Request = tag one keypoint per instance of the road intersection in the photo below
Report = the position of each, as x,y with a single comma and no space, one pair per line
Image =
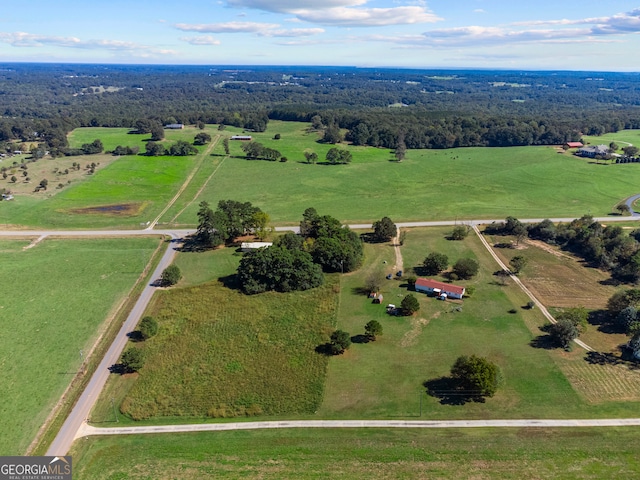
75,426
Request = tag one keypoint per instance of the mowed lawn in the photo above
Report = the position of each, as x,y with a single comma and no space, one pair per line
54,300
384,379
503,453
527,182
130,191
220,353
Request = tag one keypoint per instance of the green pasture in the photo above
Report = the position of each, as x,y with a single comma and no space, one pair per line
481,453
428,185
220,353
55,297
384,379
622,138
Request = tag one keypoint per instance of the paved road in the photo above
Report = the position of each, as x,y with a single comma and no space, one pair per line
80,412
216,427
72,426
180,233
629,203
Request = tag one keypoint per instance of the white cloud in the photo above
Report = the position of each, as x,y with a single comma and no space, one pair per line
228,27
201,40
288,6
479,10
368,17
294,32
23,39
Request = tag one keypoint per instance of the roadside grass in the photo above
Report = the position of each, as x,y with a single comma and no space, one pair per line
363,453
220,353
55,299
429,184
384,379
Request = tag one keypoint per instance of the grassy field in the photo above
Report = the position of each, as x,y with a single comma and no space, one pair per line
55,297
551,271
428,184
126,193
385,379
220,353
584,453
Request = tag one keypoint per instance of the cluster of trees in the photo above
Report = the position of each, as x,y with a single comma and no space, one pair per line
229,221
297,262
178,149
338,156
624,312
278,268
464,268
201,138
569,324
44,102
384,229
86,149
256,150
120,150
340,340
609,248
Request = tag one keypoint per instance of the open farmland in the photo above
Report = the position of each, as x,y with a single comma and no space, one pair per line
527,182
364,453
130,191
55,298
209,356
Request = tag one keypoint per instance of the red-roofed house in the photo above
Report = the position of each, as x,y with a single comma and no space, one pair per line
427,285
574,144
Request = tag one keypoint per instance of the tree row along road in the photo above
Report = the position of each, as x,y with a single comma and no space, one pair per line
518,282
75,424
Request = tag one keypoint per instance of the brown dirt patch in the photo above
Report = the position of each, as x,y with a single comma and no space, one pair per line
417,324
115,210
548,248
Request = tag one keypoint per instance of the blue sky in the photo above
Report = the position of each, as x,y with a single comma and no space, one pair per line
542,34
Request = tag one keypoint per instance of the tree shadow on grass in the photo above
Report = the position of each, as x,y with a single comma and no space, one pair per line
449,391
626,358
192,244
360,291
230,281
135,336
602,320
546,342
118,368
360,339
324,349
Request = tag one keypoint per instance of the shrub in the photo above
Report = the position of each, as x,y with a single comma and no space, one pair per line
148,327
171,275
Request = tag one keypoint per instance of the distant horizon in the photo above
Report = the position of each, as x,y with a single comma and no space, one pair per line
585,35
355,67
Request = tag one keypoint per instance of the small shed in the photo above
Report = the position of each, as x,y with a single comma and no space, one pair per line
378,299
248,246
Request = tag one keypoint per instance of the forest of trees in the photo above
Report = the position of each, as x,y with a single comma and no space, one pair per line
439,109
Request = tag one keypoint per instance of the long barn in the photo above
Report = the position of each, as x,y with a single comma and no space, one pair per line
434,287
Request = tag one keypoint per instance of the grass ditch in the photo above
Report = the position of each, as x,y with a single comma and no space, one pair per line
57,417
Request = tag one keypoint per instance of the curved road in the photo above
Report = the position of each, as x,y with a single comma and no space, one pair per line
629,201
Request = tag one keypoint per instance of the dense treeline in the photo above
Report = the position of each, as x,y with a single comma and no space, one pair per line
607,247
434,109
